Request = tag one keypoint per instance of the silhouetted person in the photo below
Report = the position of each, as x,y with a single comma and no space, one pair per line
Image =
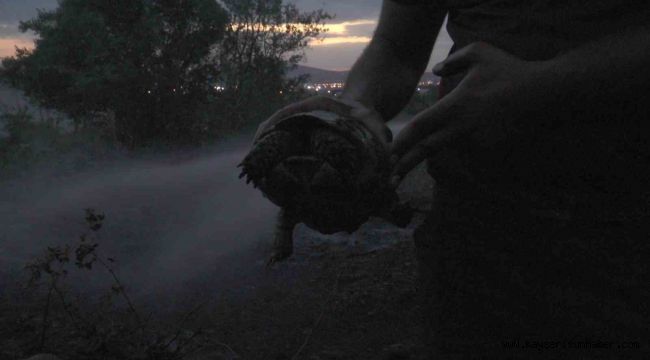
538,243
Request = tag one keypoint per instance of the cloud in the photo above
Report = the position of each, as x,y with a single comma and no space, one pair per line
344,28
343,9
12,11
347,32
341,40
340,51
9,30
345,41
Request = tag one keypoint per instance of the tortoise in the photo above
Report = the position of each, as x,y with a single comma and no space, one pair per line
325,170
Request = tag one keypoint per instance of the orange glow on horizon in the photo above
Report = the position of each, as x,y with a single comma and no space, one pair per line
338,40
8,45
342,27
334,34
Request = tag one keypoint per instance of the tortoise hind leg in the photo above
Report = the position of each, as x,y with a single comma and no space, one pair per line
283,237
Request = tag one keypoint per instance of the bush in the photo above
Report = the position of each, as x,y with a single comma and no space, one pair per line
27,143
154,64
58,320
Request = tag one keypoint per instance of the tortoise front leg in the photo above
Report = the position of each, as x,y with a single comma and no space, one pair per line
283,237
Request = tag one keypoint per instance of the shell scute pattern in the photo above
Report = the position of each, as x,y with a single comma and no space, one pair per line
322,169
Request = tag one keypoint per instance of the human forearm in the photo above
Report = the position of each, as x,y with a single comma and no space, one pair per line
386,75
381,81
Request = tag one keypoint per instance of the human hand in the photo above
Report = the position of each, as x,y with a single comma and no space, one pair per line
495,91
344,107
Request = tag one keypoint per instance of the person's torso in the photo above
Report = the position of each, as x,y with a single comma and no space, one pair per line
539,29
595,165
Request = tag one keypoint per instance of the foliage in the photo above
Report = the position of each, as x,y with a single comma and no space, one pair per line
264,40
145,61
114,328
26,142
155,65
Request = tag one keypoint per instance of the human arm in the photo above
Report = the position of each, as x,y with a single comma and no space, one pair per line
499,92
387,73
385,76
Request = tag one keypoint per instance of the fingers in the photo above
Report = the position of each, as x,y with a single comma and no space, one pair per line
345,107
374,123
322,103
311,104
422,150
369,117
427,134
423,125
460,60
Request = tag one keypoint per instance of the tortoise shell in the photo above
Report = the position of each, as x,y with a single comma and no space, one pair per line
329,170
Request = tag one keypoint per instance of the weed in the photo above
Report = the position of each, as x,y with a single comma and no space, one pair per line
112,328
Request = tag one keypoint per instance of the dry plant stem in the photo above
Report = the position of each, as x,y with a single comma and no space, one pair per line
66,307
46,314
320,316
122,292
188,341
180,325
228,348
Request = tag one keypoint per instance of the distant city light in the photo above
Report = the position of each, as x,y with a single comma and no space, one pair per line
336,88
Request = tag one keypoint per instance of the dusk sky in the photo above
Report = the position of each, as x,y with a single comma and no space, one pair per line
349,32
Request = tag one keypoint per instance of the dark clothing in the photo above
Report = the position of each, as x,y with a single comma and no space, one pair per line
586,161
545,238
539,29
498,284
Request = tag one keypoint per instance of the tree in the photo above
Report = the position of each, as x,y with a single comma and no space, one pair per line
153,65
146,61
265,39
